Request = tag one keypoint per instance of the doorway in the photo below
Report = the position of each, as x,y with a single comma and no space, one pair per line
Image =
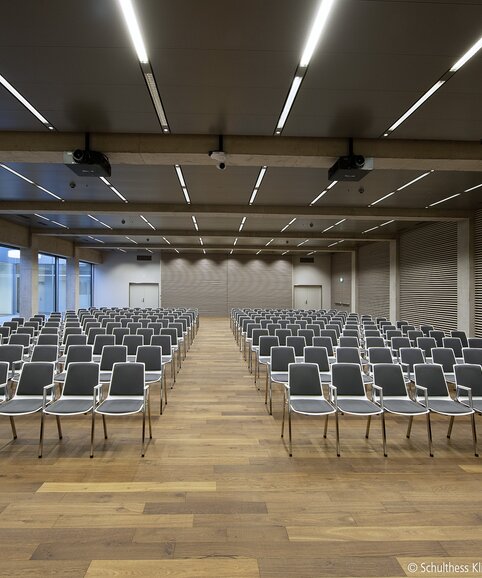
144,295
307,296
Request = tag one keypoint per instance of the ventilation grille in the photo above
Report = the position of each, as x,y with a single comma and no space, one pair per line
428,276
307,259
144,257
478,273
374,279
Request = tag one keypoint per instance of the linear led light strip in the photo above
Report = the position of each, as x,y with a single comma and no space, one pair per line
260,178
310,45
140,48
331,227
146,221
51,221
453,196
269,242
182,182
235,241
13,91
443,79
290,223
401,188
302,243
112,188
285,252
121,250
99,221
194,222
377,227
132,240
95,239
31,182
168,242
323,193
336,243
243,220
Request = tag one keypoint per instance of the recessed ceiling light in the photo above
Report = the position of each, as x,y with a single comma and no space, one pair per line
401,188
166,240
387,223
323,193
201,241
112,188
194,222
156,100
235,241
327,229
302,243
340,222
176,250
258,252
41,217
94,239
285,252
443,200
131,240
316,30
295,85
290,223
261,174
121,250
146,221
243,220
231,252
269,242
30,182
467,56
204,251
99,221
59,224
25,102
472,188
372,229
182,182
134,30
148,250
311,253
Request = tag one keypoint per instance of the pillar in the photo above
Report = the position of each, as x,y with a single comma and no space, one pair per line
72,281
465,276
29,279
394,289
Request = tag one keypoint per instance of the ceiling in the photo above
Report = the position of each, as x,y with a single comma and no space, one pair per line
225,68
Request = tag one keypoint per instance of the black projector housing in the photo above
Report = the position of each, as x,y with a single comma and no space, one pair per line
350,168
87,163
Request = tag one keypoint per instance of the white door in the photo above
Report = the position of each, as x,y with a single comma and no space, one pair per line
143,295
307,297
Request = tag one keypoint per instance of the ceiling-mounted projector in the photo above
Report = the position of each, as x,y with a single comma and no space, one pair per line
87,163
350,167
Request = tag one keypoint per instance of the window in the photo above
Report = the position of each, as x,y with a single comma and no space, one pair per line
85,284
47,288
61,284
9,281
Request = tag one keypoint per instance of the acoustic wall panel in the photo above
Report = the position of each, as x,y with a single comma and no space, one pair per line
478,272
428,276
374,279
194,281
254,282
341,281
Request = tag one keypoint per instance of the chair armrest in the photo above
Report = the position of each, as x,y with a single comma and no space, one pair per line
380,393
333,394
47,388
425,393
468,390
97,394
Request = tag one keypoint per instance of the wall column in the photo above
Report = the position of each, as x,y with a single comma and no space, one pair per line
465,276
394,292
72,281
354,283
29,279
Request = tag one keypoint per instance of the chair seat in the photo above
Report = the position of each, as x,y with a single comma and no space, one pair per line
166,359
120,406
280,376
264,359
403,406
448,407
60,376
358,406
151,376
21,406
325,377
477,403
66,406
311,406
105,376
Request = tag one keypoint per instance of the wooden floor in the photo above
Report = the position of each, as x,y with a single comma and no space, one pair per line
218,496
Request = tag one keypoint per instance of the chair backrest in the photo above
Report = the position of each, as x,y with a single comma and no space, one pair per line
119,333
398,342
250,328
349,342
469,375
132,342
389,377
133,326
431,376
127,379
4,333
304,379
372,342
101,341
4,368
266,342
413,335
293,327
93,332
324,341
401,323
348,355
282,334
410,356
150,356
272,327
109,328
163,341
156,326
146,333
78,353
46,330
475,342
72,331
76,339
20,339
81,378
172,332
34,376
44,353
426,344
472,355
445,357
13,325
454,343
315,328
308,334
372,333
438,336
406,328
257,333
350,333
297,342
48,339
317,355
462,336
347,379
425,329
11,353
379,355
281,357
112,354
392,333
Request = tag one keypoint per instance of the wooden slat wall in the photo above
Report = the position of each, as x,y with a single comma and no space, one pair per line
478,272
258,282
341,292
215,284
428,276
374,279
194,281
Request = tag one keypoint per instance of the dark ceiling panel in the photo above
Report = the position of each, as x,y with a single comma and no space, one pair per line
157,184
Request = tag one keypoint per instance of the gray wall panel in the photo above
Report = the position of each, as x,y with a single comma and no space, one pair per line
374,279
341,290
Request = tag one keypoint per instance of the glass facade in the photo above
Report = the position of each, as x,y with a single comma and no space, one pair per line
61,284
86,279
46,283
9,281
